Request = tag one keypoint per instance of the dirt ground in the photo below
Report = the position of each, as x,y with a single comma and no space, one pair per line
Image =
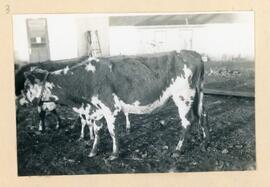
153,138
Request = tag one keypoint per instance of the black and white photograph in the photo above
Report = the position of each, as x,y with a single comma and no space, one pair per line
134,92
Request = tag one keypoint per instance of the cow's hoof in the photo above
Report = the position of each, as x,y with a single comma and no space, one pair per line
176,155
113,157
128,131
204,145
80,139
38,133
91,155
203,148
88,143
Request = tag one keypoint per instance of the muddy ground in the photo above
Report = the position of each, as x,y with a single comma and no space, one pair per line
153,138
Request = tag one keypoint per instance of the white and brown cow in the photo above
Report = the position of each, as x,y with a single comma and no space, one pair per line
133,85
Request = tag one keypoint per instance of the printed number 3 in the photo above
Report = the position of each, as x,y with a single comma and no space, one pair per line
7,8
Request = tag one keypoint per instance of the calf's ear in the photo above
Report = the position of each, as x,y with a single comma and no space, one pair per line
26,74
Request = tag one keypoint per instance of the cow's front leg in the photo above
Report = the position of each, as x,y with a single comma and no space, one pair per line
96,127
127,124
41,113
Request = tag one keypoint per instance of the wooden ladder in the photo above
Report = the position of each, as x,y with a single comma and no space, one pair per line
94,49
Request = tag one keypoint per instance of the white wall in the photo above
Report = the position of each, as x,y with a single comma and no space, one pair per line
67,37
66,33
231,40
20,42
164,39
62,37
124,40
99,23
216,40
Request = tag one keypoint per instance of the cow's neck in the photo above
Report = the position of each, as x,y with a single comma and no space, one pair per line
71,89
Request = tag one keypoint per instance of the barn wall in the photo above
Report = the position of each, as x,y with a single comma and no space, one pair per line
124,40
226,41
20,42
62,35
219,41
101,24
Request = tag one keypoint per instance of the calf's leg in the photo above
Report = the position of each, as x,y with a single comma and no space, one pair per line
91,130
41,125
83,123
58,122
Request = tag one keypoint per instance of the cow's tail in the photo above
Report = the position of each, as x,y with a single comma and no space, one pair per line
199,91
201,112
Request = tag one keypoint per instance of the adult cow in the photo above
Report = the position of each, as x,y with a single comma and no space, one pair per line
131,84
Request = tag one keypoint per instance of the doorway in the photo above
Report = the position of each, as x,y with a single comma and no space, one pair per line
38,41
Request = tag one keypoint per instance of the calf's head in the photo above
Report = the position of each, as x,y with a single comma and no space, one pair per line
34,87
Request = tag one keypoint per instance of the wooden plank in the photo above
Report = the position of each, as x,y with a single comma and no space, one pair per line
228,93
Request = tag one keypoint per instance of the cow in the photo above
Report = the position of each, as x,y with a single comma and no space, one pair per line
132,85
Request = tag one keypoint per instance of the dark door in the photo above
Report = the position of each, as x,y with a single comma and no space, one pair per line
38,40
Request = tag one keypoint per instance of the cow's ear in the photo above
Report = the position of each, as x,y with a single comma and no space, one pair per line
93,60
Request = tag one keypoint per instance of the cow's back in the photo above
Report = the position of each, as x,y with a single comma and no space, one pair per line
143,78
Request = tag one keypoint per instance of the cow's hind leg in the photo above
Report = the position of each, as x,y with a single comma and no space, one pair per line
201,114
111,127
205,129
183,103
127,124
